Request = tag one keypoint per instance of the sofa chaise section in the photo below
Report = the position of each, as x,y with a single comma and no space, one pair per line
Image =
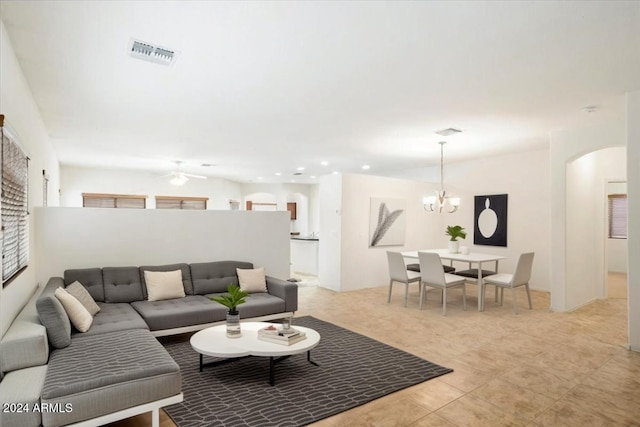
111,372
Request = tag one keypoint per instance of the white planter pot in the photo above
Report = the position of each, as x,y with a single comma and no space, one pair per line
454,247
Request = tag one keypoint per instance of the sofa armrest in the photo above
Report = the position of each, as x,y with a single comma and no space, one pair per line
288,291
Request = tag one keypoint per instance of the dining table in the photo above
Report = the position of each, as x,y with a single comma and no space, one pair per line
471,258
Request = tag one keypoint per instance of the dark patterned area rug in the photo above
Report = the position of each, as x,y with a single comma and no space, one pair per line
353,370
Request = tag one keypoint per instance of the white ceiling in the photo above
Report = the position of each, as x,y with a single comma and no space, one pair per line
266,87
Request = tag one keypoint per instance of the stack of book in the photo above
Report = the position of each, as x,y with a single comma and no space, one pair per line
280,336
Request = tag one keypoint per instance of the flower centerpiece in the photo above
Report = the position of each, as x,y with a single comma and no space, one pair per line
455,232
235,297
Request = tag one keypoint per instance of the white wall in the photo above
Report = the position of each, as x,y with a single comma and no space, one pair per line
568,257
314,208
84,237
633,193
77,180
22,115
617,248
582,232
329,246
525,178
363,266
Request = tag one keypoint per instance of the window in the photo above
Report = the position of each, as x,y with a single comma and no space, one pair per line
15,214
193,203
617,216
127,201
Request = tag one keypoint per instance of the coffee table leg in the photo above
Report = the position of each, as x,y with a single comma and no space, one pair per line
309,358
272,371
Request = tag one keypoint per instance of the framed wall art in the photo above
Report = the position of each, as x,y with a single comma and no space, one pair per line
490,220
387,222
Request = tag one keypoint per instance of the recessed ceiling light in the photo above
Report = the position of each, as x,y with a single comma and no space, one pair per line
324,163
300,168
366,167
312,177
278,174
259,177
336,172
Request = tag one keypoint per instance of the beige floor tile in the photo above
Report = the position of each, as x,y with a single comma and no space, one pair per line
431,395
432,420
517,401
465,378
574,412
469,411
617,405
542,382
382,413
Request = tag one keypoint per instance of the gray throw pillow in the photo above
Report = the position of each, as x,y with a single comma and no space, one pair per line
82,294
54,318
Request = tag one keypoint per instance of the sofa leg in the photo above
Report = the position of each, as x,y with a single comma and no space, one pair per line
155,418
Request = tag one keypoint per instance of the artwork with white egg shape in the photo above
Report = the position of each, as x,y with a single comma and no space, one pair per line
490,215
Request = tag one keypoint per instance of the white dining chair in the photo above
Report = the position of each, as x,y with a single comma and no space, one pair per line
434,276
399,273
520,277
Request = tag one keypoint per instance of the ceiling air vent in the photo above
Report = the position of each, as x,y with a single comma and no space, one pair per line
151,53
449,131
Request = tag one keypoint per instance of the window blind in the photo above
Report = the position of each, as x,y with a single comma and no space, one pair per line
618,216
15,215
127,201
172,202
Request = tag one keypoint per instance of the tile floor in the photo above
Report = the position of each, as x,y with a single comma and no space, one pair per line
534,369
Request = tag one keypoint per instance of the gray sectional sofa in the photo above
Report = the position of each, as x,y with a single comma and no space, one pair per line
54,375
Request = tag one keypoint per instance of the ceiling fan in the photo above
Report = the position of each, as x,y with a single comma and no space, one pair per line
178,177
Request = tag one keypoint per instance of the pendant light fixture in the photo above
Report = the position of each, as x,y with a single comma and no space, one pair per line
441,202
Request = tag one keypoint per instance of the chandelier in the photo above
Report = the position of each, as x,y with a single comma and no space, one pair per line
441,202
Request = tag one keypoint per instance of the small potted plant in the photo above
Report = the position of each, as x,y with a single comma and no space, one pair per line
232,301
455,231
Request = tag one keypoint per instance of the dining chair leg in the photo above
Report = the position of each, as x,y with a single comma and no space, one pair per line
422,286
515,301
390,286
464,297
444,301
501,295
406,293
528,296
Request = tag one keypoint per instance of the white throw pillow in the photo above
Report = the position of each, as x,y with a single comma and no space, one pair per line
82,294
79,316
163,285
252,280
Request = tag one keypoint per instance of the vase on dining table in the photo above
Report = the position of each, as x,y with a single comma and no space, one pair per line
454,246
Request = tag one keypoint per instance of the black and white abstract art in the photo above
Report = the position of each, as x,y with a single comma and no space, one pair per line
490,227
387,222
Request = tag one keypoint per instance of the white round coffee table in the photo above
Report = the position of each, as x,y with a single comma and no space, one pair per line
213,341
